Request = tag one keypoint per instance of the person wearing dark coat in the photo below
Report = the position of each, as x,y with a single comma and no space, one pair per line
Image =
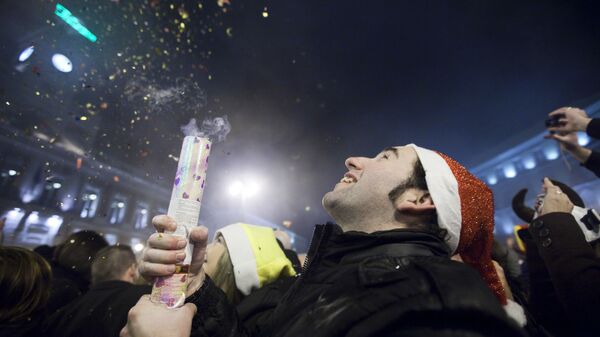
564,269
71,267
384,271
569,121
102,311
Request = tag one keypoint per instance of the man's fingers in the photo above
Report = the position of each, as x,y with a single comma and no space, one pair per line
163,256
164,223
166,241
199,235
156,269
558,111
560,138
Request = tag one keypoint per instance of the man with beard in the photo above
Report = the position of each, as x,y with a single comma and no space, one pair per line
384,269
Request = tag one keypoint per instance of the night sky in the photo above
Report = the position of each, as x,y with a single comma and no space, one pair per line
304,84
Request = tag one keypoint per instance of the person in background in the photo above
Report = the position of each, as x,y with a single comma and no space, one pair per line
569,121
243,258
563,267
71,267
102,311
25,279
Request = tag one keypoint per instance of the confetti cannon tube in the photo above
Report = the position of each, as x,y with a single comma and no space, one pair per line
184,207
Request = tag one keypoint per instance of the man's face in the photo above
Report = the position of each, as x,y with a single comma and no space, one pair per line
365,187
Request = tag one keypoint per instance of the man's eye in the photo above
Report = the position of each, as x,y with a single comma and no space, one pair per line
386,156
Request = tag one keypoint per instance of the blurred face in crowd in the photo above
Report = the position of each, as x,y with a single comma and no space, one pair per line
362,195
214,251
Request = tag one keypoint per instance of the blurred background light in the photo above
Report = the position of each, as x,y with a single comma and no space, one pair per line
510,171
236,188
26,53
247,188
62,63
529,162
583,139
551,152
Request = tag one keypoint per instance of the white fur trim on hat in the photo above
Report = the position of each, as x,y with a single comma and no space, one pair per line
515,312
443,187
242,257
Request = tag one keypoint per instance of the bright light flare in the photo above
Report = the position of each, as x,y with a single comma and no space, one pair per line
247,188
236,188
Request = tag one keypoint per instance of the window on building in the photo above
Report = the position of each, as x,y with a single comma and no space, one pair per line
50,193
141,216
90,199
116,214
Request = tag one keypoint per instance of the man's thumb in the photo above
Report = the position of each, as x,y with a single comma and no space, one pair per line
199,235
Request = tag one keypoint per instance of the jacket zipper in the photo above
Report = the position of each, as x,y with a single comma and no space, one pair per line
313,248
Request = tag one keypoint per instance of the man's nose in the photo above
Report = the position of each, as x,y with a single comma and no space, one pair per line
354,163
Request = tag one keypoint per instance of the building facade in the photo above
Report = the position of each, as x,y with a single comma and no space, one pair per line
526,164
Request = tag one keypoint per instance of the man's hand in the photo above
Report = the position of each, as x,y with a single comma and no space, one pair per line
573,120
156,320
554,200
568,141
164,251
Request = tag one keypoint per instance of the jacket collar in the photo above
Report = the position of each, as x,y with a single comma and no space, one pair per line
332,245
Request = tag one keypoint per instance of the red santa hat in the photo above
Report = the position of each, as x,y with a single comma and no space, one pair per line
465,208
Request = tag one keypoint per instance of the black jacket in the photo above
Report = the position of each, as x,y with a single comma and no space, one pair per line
593,162
399,282
102,311
573,294
66,286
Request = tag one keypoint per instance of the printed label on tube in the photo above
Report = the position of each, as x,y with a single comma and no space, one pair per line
184,208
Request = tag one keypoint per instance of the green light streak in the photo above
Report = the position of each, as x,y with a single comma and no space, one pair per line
72,21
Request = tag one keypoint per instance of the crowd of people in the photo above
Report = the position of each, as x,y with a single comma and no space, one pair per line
411,253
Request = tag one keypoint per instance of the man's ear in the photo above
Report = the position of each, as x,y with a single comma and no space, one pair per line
415,202
131,273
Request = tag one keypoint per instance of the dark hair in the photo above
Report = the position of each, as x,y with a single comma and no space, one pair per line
111,262
78,251
417,181
25,279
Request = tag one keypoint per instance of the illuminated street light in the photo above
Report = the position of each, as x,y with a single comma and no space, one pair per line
138,247
56,186
120,204
236,188
92,196
245,189
251,189
12,173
